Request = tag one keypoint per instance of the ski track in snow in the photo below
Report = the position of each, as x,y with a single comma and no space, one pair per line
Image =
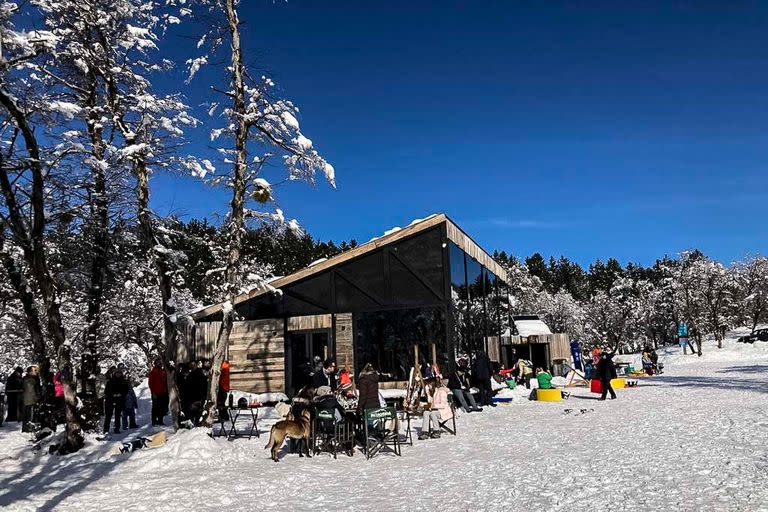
691,439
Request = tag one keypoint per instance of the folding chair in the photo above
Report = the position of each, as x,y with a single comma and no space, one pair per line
383,438
408,436
452,419
332,433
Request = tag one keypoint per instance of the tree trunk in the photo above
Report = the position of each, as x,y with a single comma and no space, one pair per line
32,242
237,215
24,294
98,226
170,341
168,350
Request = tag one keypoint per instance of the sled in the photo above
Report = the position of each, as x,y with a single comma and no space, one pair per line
138,443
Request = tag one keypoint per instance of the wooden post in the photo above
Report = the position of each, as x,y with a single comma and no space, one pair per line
416,356
434,355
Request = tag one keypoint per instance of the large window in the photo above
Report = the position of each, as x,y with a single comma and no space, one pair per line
477,302
459,299
386,339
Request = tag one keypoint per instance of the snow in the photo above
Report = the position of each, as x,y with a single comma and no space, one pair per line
67,109
317,262
290,120
303,142
691,439
194,66
531,327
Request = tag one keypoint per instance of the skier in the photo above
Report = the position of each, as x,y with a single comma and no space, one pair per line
114,400
606,371
158,387
13,390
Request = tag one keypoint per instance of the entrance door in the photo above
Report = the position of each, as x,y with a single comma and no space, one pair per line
305,347
539,355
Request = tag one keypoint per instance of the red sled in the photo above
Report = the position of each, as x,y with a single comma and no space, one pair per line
595,386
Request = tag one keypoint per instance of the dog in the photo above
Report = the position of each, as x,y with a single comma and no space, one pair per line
292,428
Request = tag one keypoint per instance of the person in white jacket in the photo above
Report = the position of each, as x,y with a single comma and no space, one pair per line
437,409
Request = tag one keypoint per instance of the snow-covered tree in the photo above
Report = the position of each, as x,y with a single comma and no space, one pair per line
259,127
751,280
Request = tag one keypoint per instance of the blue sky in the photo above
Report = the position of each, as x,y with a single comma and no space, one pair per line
585,129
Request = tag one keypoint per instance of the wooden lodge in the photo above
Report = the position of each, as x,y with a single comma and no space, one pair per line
427,285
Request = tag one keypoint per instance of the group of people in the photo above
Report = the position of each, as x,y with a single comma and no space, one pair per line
35,397
115,390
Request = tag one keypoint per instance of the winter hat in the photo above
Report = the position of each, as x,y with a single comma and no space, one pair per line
323,390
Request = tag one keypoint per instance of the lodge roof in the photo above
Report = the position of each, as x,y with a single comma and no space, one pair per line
455,234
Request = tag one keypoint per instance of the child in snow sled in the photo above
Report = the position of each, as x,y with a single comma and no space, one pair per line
647,364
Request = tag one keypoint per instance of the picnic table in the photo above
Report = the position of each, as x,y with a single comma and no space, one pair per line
233,413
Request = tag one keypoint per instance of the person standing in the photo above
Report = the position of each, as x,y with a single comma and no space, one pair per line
197,389
59,403
13,390
368,389
158,387
483,371
524,372
31,395
513,358
224,388
129,409
114,400
606,370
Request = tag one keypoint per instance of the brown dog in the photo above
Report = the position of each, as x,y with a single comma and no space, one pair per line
292,428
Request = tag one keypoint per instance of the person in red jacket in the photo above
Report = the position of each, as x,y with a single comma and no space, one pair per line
221,398
158,386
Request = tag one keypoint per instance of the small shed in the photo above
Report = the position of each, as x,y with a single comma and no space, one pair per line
532,339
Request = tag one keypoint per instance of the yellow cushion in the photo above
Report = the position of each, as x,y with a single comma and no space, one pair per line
618,383
548,395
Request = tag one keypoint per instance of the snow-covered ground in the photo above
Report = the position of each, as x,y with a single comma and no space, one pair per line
691,439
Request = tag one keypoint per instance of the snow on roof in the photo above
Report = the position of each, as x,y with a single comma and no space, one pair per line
530,327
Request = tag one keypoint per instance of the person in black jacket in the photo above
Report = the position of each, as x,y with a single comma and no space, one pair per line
459,386
197,392
114,400
326,376
13,389
606,370
483,371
